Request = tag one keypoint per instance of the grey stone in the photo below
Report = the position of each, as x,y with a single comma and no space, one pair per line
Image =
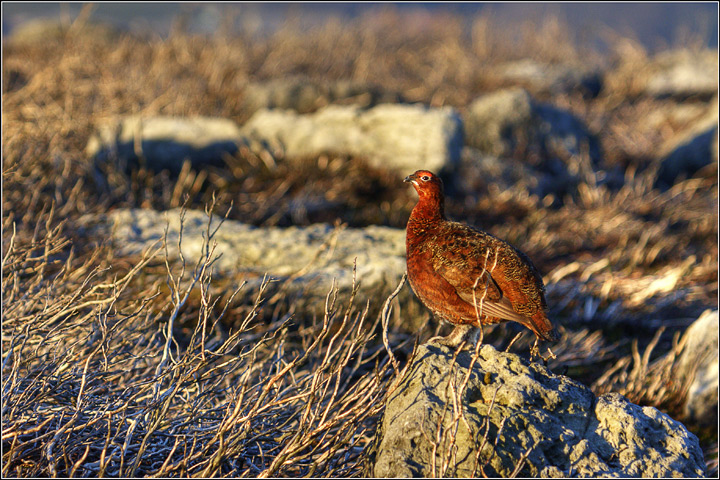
557,424
165,142
311,258
509,123
492,118
698,365
678,74
550,78
683,73
479,171
482,174
305,95
691,149
403,138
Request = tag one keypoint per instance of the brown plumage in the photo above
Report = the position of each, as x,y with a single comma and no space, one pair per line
468,277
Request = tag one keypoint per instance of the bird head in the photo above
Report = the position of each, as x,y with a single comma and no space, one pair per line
425,182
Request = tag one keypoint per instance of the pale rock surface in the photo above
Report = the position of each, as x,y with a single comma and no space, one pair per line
400,137
558,424
311,257
699,363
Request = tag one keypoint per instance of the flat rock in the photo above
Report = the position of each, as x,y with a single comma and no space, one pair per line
511,409
400,137
699,362
304,95
311,257
165,142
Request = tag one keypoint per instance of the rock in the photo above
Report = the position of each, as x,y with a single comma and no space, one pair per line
304,95
555,423
481,174
683,73
399,137
550,78
698,365
509,123
313,256
691,149
492,120
165,142
675,73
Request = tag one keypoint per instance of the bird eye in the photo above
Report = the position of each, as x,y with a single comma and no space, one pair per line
425,178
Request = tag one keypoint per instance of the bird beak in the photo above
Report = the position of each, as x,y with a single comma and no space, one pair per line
410,179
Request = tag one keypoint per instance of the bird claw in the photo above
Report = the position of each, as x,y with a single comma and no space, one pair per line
445,342
437,340
463,336
549,355
534,350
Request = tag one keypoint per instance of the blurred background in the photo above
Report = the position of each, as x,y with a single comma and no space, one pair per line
584,134
655,25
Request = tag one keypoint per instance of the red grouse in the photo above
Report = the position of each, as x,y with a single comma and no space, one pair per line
467,277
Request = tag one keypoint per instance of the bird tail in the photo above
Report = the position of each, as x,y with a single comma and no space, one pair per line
542,327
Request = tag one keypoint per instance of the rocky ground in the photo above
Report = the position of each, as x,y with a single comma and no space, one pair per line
201,236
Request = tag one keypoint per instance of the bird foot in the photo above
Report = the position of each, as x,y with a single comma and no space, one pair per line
549,355
462,334
535,352
444,341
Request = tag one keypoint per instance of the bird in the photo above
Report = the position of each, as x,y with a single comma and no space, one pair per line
467,277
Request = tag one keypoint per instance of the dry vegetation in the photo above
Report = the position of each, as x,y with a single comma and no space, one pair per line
129,378
137,366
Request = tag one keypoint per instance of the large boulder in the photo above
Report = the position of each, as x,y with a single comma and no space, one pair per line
309,258
165,142
399,137
509,123
481,174
513,417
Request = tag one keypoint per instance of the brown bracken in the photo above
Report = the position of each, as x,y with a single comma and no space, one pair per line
467,277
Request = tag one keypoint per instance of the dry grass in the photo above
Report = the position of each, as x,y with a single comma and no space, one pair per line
107,375
131,366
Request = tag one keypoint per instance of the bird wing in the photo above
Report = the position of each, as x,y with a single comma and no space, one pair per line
476,285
